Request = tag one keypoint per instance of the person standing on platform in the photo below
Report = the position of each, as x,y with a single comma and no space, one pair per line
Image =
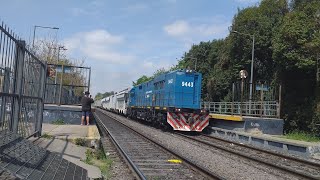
86,102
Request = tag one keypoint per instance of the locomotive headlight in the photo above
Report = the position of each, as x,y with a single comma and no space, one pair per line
204,111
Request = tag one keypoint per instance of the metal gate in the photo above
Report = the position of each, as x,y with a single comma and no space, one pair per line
22,84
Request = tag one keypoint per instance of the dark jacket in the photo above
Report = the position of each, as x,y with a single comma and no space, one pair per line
86,103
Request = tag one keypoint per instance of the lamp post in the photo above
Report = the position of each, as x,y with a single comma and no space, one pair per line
252,61
34,31
195,64
196,60
318,68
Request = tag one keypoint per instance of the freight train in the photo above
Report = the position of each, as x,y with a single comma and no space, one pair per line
170,100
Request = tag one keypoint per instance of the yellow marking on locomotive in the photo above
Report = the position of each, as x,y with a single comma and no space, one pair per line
226,117
164,108
157,107
177,161
148,107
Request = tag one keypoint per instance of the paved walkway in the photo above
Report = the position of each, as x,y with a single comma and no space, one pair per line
61,138
71,132
70,152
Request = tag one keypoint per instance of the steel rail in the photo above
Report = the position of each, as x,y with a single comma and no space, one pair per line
196,167
266,151
124,154
301,174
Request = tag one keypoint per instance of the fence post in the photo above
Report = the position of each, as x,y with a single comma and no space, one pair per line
89,79
232,104
262,97
18,80
5,89
43,77
279,105
242,83
62,69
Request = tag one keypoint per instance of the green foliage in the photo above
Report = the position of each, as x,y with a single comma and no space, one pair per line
302,136
103,95
47,136
99,159
142,79
159,72
58,122
80,141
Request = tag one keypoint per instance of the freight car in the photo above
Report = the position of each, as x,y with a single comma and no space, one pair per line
170,99
116,103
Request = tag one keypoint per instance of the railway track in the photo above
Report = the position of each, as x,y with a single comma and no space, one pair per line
300,167
149,159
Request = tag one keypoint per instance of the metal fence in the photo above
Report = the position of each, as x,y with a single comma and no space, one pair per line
265,101
66,84
22,83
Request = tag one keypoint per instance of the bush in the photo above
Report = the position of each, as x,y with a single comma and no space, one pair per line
58,122
47,136
80,141
302,136
98,158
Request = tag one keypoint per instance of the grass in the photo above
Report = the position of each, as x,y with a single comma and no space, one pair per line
99,159
58,122
302,136
47,136
80,141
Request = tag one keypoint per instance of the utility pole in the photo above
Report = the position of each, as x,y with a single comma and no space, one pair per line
55,78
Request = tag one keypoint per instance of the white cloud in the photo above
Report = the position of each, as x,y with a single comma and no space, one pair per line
113,66
196,30
98,45
178,28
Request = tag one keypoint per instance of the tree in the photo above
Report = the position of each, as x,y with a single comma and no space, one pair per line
103,95
296,47
142,79
159,72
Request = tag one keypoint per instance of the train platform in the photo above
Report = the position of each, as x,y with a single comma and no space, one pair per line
71,132
271,142
262,125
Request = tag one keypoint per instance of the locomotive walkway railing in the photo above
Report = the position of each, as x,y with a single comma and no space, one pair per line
22,84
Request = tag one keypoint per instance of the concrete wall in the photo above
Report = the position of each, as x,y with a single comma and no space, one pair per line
69,114
252,125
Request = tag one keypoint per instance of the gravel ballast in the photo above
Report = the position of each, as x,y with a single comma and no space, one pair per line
225,164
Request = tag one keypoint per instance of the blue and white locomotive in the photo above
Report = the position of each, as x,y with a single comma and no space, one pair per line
170,99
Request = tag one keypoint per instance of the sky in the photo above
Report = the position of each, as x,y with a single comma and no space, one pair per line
122,40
